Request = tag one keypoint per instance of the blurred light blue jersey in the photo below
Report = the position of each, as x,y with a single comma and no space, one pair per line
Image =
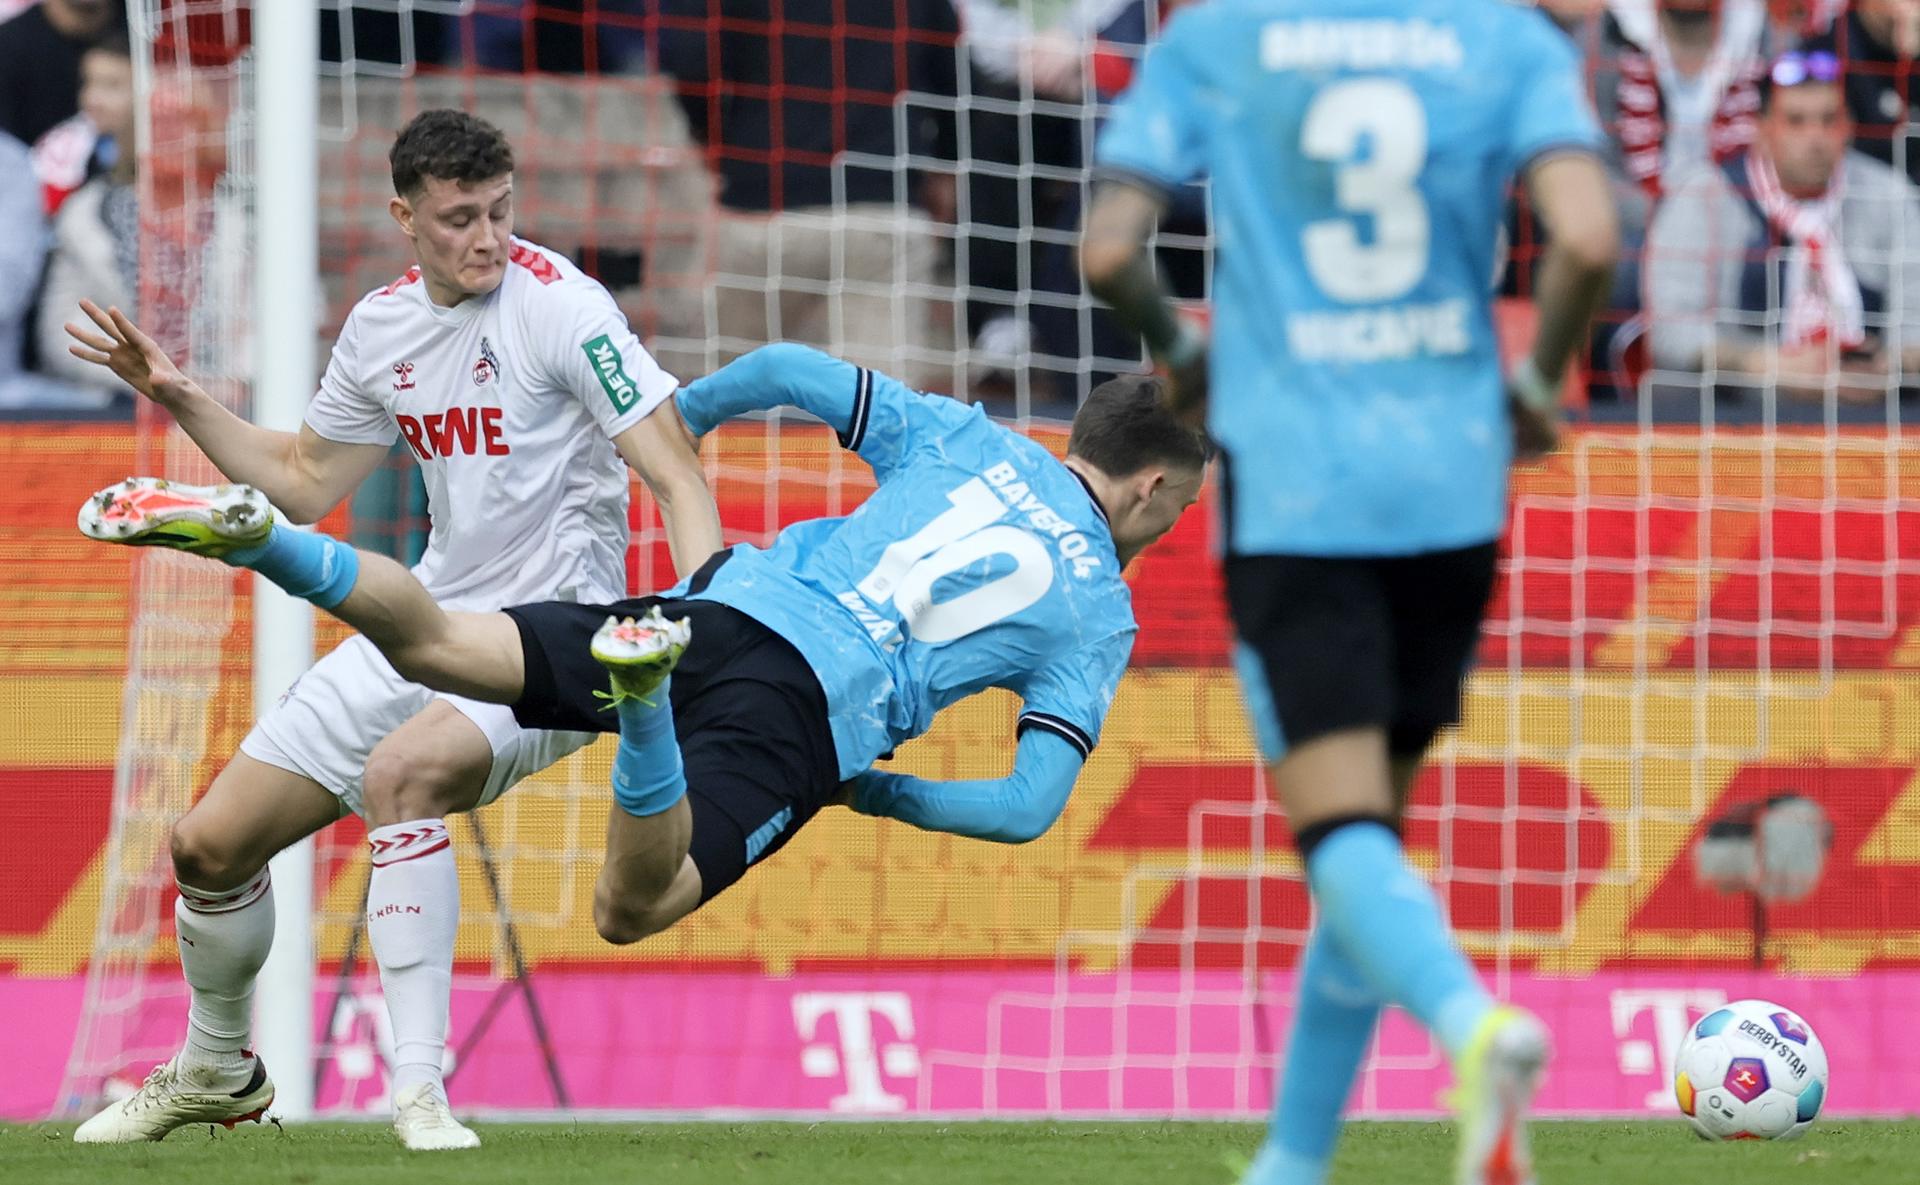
1360,153
980,561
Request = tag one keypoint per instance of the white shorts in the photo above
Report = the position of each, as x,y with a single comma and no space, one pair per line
331,718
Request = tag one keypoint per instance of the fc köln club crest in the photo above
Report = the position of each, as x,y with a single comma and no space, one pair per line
487,367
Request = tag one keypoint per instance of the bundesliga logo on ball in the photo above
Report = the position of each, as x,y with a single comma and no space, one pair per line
1751,1071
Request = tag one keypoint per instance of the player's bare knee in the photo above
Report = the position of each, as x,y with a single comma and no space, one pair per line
209,861
400,784
620,921
628,913
616,926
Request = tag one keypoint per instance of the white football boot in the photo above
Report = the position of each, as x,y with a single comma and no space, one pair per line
172,1098
423,1119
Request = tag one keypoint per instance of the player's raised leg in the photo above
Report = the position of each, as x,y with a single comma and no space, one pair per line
472,654
651,825
224,920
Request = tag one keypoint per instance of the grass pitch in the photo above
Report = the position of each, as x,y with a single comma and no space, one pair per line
886,1153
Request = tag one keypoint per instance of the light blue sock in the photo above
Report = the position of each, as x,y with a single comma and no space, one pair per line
311,566
1385,918
648,776
1332,1023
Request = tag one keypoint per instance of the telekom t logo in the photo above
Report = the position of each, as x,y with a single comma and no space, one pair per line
361,1048
859,1058
1673,1009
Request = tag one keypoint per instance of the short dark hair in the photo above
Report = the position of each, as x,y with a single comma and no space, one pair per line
449,145
1125,426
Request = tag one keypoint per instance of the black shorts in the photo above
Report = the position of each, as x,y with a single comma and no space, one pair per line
748,712
1329,643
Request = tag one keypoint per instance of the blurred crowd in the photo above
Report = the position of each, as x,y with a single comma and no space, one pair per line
903,179
1763,166
69,210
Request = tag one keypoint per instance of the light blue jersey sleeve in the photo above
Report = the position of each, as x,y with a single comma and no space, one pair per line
1551,111
1066,703
1155,132
1069,697
1014,809
878,417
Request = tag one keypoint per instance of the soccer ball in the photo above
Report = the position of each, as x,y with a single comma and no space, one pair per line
1751,1071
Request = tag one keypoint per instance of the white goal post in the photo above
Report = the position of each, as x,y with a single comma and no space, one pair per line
286,309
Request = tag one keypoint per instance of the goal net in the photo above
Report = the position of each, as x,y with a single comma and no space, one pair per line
1703,605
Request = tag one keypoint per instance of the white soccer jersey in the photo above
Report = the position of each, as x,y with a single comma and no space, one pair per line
508,402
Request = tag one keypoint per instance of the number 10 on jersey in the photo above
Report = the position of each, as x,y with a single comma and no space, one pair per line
962,537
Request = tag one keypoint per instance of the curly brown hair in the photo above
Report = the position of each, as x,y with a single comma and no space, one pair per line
450,145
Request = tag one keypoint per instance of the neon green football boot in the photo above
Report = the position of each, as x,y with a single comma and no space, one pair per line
1495,1079
154,512
639,654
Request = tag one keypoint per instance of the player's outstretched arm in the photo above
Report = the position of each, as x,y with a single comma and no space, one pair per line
472,654
878,417
662,451
1571,196
781,375
303,473
1015,809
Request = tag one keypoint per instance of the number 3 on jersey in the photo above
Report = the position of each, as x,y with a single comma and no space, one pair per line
959,537
1383,187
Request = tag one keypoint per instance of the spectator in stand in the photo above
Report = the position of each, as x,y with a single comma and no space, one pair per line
1781,267
1679,90
1028,124
40,63
96,236
798,102
1069,326
1796,20
1878,42
23,248
78,148
1674,83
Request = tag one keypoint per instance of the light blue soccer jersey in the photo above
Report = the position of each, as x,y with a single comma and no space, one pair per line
980,561
1360,153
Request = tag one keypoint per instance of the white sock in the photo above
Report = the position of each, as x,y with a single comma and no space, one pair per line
224,939
413,915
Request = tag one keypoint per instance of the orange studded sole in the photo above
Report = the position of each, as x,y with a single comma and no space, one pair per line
254,1116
